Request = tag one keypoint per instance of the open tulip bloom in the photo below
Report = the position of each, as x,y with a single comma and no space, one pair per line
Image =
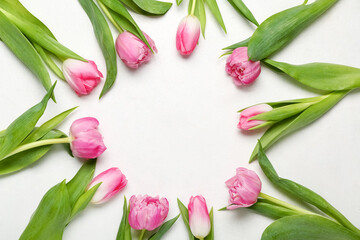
22,144
188,32
35,45
145,213
291,222
284,117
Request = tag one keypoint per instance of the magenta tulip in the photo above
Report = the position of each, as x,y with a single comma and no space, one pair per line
87,141
245,123
244,188
187,35
82,77
243,70
199,219
112,181
132,50
147,213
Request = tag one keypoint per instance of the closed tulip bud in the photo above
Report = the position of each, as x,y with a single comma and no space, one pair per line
199,219
244,188
187,35
132,50
87,142
245,123
82,77
112,181
243,70
147,213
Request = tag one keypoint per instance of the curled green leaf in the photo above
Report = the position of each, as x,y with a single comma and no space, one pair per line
153,7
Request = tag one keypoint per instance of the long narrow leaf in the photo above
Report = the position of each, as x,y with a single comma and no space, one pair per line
307,227
211,234
241,8
164,228
270,210
153,7
290,125
49,61
185,216
24,50
105,40
23,125
23,159
301,192
124,232
214,8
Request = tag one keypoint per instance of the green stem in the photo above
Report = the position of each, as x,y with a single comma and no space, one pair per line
285,204
193,7
142,234
39,144
108,14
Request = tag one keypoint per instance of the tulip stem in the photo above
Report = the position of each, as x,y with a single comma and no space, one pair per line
285,204
36,144
142,233
193,7
108,14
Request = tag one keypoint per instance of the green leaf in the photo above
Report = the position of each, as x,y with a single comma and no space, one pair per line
214,8
83,201
46,127
307,227
243,43
105,40
38,35
24,50
210,236
301,192
178,2
135,8
118,8
23,125
185,216
164,228
23,159
49,61
241,8
50,218
279,29
323,76
153,7
124,232
292,124
79,183
271,210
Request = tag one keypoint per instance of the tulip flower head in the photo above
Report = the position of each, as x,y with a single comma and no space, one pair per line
82,77
147,213
199,219
112,181
187,35
245,123
132,50
244,188
87,142
243,70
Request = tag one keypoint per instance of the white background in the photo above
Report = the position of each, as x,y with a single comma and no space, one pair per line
170,126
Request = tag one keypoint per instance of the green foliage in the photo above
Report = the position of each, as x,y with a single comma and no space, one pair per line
240,6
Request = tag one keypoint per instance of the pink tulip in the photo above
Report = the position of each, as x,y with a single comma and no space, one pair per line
87,141
147,212
132,50
243,70
112,181
199,219
187,35
82,77
244,188
245,115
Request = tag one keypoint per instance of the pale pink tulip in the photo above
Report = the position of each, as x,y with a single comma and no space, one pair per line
112,181
147,212
82,77
243,70
187,35
245,115
244,188
87,141
199,219
132,50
